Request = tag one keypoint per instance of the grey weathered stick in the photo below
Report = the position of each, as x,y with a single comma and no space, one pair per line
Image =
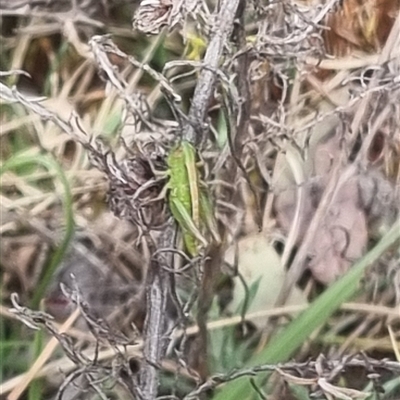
195,132
156,285
154,335
224,20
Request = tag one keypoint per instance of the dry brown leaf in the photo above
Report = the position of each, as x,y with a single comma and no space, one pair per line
360,25
342,236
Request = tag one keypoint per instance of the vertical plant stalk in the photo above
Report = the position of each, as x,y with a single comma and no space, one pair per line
156,324
157,279
242,83
194,131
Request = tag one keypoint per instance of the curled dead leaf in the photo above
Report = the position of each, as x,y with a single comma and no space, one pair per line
366,198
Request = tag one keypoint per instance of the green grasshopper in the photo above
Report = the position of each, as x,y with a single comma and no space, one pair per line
189,201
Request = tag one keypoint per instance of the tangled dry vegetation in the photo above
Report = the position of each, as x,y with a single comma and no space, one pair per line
294,109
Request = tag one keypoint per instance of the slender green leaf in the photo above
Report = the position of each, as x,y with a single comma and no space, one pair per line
284,344
36,386
49,163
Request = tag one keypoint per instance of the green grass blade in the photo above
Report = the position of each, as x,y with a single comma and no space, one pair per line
36,386
49,163
283,345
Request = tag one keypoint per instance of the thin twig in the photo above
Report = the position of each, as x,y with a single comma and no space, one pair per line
194,130
155,330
